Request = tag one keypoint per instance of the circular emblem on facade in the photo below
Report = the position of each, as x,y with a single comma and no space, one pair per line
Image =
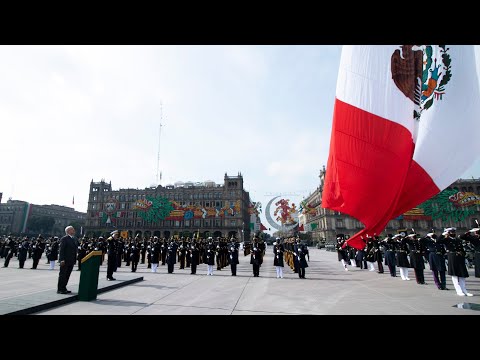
286,214
188,215
110,206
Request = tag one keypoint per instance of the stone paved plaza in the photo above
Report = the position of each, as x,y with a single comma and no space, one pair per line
327,289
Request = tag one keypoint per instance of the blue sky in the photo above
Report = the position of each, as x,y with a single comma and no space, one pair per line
70,114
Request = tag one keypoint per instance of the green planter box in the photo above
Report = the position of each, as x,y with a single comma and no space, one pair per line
87,289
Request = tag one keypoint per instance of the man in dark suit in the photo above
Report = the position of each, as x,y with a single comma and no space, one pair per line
68,255
233,256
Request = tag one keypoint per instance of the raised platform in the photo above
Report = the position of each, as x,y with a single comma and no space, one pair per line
48,299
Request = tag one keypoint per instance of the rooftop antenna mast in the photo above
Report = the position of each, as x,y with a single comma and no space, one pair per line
159,173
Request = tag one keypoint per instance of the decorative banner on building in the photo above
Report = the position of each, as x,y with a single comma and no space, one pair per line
307,209
462,199
159,209
448,205
155,209
108,218
310,227
142,205
255,208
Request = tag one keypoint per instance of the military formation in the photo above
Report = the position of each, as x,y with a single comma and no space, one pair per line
26,248
445,254
153,251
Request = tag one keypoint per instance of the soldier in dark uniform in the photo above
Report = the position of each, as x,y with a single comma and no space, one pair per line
52,257
82,252
256,258
194,256
149,253
456,260
402,258
370,252
233,256
102,247
30,249
37,252
378,254
473,237
351,252
360,256
120,250
155,254
209,257
48,249
144,250
181,254
218,252
23,252
436,259
8,250
296,244
417,252
171,254
135,254
164,246
302,261
112,254
278,252
127,251
390,246
188,255
341,251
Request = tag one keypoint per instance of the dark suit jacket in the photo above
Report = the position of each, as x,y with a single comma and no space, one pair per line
68,250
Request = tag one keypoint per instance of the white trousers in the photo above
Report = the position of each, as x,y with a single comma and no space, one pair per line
459,285
154,268
344,264
279,271
372,267
209,269
352,262
404,273
461,281
52,264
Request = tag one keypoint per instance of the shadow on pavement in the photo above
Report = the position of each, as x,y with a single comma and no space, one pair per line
119,302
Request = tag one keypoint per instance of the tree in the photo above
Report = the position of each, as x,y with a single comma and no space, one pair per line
40,224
